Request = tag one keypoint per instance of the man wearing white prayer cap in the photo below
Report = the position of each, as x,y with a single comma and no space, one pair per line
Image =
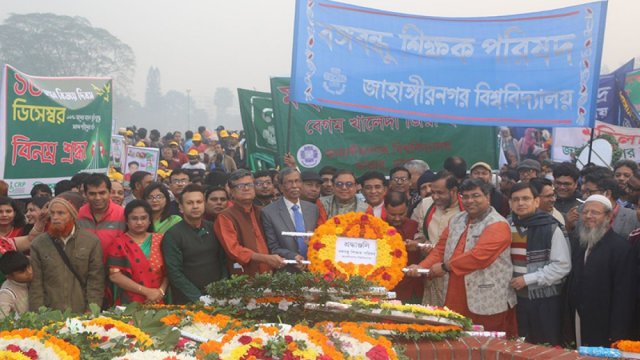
602,288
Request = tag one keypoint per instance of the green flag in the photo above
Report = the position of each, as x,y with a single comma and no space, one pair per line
320,136
256,110
53,128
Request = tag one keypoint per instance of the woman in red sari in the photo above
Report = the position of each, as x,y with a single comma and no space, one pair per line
12,220
135,262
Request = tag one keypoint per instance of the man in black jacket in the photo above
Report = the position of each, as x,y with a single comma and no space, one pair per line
603,283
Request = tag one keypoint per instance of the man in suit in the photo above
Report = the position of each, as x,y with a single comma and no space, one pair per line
289,213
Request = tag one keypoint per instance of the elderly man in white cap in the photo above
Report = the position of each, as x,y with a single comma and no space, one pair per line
67,263
602,289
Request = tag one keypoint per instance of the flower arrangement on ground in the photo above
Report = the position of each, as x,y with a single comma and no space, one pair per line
432,314
154,355
35,344
201,324
355,343
406,331
391,254
270,342
108,332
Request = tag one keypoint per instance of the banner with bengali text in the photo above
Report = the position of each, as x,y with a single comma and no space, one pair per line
567,141
320,136
52,128
534,70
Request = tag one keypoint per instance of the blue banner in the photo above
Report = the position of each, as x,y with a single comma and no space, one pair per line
607,108
537,69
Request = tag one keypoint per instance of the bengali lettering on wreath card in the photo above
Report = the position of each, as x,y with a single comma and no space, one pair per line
356,251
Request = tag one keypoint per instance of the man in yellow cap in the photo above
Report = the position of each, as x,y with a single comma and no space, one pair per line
197,143
236,150
194,167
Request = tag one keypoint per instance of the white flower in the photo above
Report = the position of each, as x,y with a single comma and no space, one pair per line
153,355
284,305
234,302
252,305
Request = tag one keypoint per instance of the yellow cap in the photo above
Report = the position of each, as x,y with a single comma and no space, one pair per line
164,163
224,133
173,143
197,137
141,143
193,152
129,133
235,135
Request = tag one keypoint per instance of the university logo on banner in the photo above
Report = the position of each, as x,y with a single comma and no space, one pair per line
529,70
52,128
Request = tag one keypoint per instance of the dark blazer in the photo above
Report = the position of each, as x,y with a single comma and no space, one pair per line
603,290
625,222
276,219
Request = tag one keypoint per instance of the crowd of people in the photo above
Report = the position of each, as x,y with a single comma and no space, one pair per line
549,256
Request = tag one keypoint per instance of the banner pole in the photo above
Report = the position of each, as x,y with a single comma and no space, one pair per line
287,148
590,145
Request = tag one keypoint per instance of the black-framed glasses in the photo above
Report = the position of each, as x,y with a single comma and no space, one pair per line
400,179
262,183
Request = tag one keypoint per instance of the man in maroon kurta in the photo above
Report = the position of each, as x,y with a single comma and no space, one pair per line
239,229
409,290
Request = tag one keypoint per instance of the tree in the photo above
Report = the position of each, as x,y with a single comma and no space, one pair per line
56,45
153,94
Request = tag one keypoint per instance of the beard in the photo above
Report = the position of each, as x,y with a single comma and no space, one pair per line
590,237
60,231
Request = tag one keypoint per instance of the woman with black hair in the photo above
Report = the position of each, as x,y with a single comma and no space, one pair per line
135,261
157,196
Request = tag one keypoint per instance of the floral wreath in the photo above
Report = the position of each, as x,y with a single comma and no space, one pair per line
203,325
267,342
107,329
617,152
154,355
440,315
407,331
355,343
35,344
391,251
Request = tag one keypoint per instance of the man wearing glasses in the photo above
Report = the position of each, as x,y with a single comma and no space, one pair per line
178,180
401,182
547,198
344,197
474,257
240,231
265,191
565,180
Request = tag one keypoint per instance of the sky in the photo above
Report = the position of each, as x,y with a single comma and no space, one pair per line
201,45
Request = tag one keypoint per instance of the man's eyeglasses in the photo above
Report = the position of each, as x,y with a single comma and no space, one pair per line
342,184
474,196
565,184
244,186
400,180
180,181
263,183
591,192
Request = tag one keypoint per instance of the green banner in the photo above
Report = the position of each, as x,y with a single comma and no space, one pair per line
256,110
320,136
53,128
632,87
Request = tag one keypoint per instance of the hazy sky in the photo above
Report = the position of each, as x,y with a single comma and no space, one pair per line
202,45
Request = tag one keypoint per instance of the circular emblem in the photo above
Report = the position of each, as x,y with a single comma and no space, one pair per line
309,155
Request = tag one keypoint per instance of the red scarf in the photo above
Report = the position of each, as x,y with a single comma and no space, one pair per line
125,255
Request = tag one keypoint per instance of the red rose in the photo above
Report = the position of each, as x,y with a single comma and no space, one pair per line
336,221
245,339
377,352
14,348
397,253
108,326
391,232
386,277
318,245
288,339
364,218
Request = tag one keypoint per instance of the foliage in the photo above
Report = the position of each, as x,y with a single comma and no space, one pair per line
617,152
57,45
